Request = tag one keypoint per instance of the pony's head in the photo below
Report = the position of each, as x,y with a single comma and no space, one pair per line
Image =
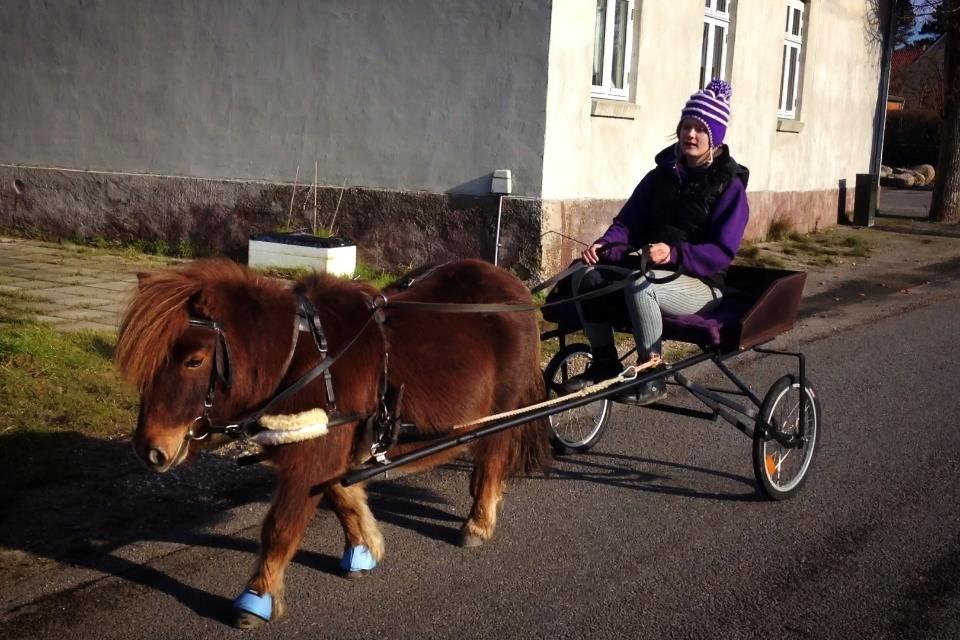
206,341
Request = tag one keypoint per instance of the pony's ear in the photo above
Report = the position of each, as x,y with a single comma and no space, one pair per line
199,306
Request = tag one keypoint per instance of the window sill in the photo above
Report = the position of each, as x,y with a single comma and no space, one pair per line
620,109
785,125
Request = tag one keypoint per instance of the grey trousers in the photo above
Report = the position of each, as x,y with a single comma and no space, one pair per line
646,302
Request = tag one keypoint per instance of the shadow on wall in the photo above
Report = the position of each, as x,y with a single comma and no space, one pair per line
479,186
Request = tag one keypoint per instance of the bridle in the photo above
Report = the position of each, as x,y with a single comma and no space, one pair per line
306,319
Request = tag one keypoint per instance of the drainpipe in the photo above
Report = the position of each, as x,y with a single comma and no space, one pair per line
501,185
868,184
884,89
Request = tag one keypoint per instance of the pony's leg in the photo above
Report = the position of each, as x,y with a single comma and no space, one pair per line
364,542
490,460
293,507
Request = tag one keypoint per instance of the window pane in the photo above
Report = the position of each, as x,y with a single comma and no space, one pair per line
718,41
598,42
783,68
797,21
619,42
703,57
791,98
722,6
786,27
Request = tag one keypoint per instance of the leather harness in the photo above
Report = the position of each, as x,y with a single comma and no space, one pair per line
384,427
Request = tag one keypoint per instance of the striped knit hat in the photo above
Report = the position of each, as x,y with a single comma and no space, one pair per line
711,106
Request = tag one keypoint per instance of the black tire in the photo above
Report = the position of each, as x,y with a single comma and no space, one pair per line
780,409
575,430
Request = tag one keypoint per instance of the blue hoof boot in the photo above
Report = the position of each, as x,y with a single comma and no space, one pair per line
252,609
357,561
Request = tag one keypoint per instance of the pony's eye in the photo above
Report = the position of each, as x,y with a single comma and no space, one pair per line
193,363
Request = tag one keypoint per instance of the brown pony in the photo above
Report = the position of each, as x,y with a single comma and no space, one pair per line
454,367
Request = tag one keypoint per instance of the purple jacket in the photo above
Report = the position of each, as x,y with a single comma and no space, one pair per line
726,222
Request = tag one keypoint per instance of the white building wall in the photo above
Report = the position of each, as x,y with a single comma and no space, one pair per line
840,79
586,156
603,158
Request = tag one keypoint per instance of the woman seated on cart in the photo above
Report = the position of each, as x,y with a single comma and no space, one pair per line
691,210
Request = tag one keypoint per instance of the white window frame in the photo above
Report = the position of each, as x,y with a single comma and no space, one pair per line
607,89
714,18
792,42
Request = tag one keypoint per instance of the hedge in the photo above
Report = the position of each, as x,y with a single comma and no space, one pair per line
912,138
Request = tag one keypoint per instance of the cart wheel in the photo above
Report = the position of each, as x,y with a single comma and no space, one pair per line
575,430
779,469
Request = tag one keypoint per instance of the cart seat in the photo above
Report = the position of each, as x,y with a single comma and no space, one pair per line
711,329
759,305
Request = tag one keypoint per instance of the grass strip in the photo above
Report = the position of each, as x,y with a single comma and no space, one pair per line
62,401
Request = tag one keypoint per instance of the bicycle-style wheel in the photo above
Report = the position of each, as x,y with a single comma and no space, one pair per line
781,470
579,429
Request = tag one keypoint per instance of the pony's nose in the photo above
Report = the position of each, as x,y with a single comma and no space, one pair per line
156,457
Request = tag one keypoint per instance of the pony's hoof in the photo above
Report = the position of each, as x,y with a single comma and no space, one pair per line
357,562
251,609
244,620
356,575
470,540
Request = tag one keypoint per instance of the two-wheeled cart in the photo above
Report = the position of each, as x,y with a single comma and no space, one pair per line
784,425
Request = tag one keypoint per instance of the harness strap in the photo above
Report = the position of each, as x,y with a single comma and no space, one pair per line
220,370
304,380
309,313
408,281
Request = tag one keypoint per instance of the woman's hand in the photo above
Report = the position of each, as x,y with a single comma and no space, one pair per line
659,253
589,254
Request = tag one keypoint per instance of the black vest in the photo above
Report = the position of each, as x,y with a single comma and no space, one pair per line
679,210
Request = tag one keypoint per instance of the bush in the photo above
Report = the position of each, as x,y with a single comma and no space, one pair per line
780,227
912,138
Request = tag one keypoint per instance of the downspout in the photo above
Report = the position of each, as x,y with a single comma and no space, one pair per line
883,92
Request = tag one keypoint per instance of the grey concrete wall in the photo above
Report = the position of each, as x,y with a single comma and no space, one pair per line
398,94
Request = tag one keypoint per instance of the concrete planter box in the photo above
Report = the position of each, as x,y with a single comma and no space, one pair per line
334,255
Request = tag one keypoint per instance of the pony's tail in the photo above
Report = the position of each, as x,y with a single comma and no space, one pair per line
534,453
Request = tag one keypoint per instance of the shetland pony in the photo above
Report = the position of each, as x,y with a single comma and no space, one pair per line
454,368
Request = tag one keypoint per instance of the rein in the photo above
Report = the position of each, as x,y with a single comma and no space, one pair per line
386,419
577,270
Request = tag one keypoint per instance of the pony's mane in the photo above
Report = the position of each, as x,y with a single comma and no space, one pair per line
157,316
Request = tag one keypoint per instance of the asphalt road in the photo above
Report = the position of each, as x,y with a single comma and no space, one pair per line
657,533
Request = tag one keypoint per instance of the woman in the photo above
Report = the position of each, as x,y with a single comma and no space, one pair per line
691,211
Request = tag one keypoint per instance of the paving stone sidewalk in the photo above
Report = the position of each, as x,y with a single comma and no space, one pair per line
70,287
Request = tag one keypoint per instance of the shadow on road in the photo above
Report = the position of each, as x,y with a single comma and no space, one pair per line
603,468
891,285
104,499
933,229
412,508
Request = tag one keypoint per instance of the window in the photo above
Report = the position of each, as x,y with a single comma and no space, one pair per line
792,57
612,44
716,29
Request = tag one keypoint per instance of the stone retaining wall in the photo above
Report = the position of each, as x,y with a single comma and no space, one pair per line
393,230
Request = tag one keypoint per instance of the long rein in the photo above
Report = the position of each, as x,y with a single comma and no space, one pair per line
248,426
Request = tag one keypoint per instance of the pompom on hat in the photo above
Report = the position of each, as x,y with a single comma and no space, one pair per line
711,106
